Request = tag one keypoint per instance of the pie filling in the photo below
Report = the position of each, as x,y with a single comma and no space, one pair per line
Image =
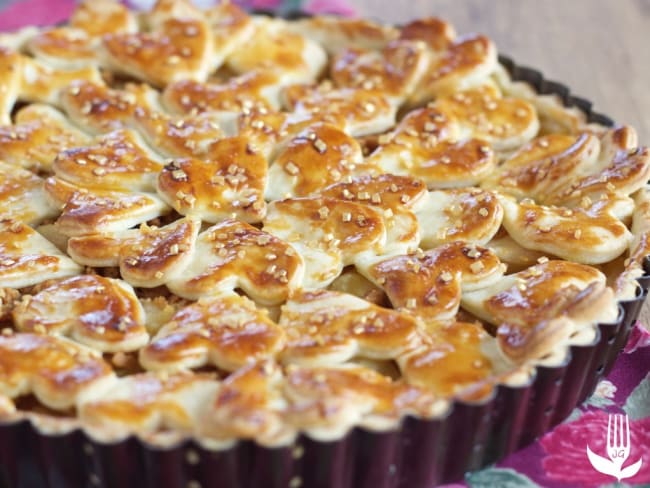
228,226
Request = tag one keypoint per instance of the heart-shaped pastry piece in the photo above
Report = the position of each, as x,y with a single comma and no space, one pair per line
328,327
328,233
227,331
228,182
28,258
395,70
22,197
538,309
148,403
430,284
59,372
233,254
118,161
101,313
316,157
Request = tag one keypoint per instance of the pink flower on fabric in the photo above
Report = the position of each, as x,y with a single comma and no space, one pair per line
340,7
34,12
566,450
639,337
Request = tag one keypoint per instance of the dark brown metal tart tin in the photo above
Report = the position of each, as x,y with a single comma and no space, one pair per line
420,454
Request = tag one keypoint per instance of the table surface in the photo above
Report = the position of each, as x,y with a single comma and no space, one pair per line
600,48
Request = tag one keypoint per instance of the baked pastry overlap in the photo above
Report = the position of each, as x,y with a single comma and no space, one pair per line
228,226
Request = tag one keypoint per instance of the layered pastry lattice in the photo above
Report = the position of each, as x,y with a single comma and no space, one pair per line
228,226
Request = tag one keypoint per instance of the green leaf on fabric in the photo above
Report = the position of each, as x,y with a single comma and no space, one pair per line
599,402
501,477
573,416
637,405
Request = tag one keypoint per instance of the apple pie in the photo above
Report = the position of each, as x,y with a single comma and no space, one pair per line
222,226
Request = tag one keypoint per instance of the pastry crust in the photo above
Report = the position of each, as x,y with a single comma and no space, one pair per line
226,226
227,331
98,312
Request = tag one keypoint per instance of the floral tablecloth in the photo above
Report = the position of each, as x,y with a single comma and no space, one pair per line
559,459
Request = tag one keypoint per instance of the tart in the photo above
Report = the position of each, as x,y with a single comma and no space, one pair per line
228,230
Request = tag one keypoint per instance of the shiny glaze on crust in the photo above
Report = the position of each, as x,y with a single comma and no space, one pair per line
505,123
588,235
428,123
226,331
425,144
39,133
234,254
24,252
327,327
545,305
470,161
99,312
541,292
100,109
316,157
11,65
273,48
542,166
452,363
98,17
328,395
365,111
385,191
157,255
336,33
148,257
88,212
245,92
467,60
42,83
397,196
97,249
268,130
433,31
249,404
227,22
181,136
57,371
66,45
395,69
149,402
228,181
157,57
429,285
255,402
117,161
22,197
627,172
348,227
463,214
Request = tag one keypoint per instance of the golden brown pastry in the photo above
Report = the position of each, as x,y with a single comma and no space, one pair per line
233,254
221,225
98,312
224,330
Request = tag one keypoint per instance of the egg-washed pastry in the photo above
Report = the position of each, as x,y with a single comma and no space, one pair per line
222,225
